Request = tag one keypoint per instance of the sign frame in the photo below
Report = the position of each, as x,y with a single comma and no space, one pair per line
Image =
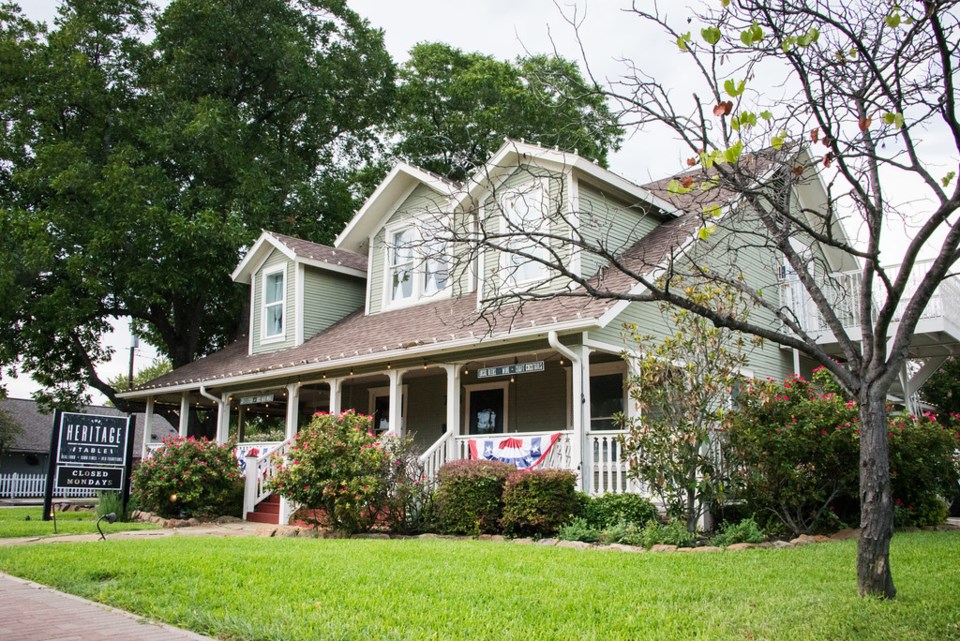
510,370
60,460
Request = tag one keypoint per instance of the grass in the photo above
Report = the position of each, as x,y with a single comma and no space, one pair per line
13,523
286,589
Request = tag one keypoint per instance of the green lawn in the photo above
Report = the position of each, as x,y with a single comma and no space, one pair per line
13,523
256,588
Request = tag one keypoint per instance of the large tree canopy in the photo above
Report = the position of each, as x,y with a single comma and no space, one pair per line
142,150
455,109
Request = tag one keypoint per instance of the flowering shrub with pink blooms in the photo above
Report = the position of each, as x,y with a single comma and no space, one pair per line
348,478
792,449
189,477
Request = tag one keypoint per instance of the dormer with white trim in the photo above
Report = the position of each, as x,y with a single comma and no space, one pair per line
297,289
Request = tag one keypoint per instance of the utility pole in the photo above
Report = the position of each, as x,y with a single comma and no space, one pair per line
134,344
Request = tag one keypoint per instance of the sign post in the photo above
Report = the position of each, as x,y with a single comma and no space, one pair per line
89,451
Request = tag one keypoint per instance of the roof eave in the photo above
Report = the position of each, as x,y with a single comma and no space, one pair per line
364,359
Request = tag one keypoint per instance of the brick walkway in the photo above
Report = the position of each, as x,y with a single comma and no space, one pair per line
32,612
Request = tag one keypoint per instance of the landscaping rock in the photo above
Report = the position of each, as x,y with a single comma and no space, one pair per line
664,548
622,547
576,545
803,539
491,537
371,535
766,545
524,541
429,535
192,522
782,544
736,547
547,542
845,534
223,520
704,548
819,538
265,530
288,531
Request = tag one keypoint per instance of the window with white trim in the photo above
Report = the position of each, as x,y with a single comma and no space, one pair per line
400,263
274,300
418,265
523,217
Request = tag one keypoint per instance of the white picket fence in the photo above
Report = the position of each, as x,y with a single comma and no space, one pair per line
29,486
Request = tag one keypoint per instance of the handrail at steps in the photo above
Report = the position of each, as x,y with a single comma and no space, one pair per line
435,456
259,470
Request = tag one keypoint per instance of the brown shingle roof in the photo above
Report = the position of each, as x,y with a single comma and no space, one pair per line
322,253
448,320
392,333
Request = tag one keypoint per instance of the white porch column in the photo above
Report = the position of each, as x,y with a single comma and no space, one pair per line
147,428
335,395
223,419
632,410
293,410
580,438
453,408
394,417
576,414
241,422
184,414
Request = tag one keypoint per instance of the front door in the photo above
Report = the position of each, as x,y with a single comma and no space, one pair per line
487,411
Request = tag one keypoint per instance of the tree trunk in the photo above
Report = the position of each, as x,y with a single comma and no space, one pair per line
876,500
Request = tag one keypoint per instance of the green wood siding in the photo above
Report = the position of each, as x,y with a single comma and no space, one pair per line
289,320
759,269
608,223
557,206
327,298
422,201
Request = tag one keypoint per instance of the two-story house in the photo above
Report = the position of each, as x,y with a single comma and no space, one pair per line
396,322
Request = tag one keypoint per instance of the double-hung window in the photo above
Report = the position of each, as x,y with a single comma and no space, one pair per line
400,256
524,224
274,299
417,264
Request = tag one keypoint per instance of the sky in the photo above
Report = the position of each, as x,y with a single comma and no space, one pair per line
609,38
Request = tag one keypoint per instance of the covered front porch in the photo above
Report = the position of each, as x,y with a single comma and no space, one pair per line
571,388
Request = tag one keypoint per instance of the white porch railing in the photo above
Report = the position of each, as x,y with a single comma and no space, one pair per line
29,486
260,470
608,470
264,448
843,291
559,455
436,456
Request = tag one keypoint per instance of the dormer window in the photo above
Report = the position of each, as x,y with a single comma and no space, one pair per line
274,299
417,264
524,223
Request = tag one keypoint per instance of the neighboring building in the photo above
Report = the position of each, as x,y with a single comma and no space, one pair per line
28,452
409,337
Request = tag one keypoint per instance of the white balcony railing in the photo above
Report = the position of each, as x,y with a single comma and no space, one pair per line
843,291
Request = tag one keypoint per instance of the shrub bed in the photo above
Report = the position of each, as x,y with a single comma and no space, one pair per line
189,477
794,449
610,509
338,468
538,502
469,499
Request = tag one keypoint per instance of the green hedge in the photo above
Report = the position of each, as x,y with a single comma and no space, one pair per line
189,477
469,499
608,510
538,502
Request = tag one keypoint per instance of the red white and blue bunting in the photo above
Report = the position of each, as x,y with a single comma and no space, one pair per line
525,452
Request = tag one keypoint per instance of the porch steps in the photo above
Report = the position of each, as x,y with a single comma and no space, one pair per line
267,511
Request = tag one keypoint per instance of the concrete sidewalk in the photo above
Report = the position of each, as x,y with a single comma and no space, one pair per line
32,612
239,528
